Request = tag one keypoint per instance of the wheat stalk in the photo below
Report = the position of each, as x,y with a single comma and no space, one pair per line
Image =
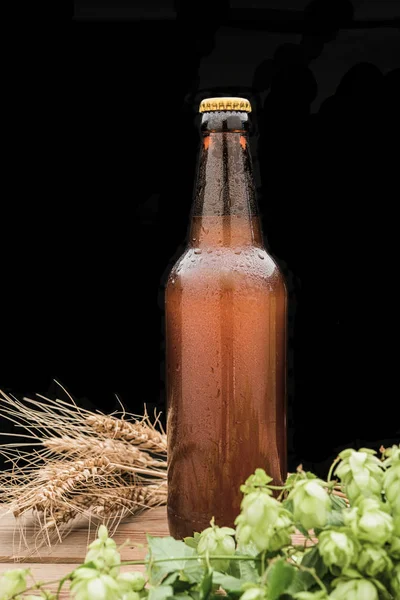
111,448
83,464
140,434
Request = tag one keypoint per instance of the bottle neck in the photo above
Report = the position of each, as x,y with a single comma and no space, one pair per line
225,209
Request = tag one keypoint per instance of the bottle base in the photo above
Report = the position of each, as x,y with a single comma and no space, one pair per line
181,527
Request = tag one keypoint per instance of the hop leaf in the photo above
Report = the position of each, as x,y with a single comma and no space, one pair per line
311,503
338,548
361,474
369,522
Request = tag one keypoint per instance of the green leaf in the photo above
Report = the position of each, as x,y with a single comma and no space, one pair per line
279,578
313,560
206,585
162,592
88,565
302,582
334,519
178,581
288,504
228,583
192,542
248,571
167,547
302,529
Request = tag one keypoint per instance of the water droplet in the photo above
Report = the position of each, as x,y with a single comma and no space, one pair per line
238,251
260,255
218,252
192,260
209,250
178,367
218,393
197,251
173,281
193,239
205,230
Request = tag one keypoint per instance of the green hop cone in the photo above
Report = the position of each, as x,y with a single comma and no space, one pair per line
311,503
12,582
255,592
103,553
320,595
395,581
394,549
130,596
373,560
281,531
354,589
217,540
264,522
131,581
391,486
338,548
90,584
369,522
361,474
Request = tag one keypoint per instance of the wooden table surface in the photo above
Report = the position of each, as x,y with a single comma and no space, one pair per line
52,564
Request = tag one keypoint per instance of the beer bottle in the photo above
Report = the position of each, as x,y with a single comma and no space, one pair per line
225,337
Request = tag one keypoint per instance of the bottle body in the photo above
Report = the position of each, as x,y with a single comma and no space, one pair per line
226,355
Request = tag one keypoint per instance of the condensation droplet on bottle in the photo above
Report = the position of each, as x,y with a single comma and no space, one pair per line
260,255
173,281
204,229
238,251
193,239
197,251
209,250
178,367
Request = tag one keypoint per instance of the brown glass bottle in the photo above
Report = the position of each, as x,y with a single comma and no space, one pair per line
226,339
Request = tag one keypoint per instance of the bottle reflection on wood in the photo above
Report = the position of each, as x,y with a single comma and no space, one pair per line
226,337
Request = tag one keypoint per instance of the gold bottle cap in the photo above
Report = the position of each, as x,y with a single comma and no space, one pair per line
209,104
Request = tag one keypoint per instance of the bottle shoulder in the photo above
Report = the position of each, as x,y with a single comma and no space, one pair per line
211,265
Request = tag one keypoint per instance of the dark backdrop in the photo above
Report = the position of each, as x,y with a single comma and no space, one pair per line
103,188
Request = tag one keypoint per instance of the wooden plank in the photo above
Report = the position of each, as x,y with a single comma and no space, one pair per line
73,548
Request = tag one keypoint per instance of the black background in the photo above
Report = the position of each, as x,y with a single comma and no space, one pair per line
103,186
